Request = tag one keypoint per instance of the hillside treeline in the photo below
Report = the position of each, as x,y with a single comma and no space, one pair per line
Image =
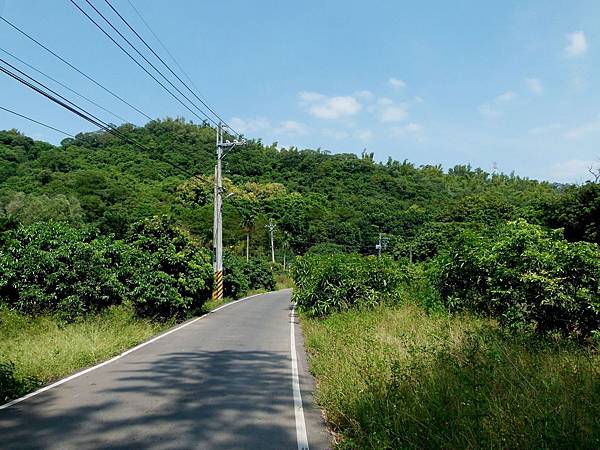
318,200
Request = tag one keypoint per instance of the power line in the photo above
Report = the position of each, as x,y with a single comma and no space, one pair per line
145,59
165,64
81,112
36,121
64,85
165,48
75,68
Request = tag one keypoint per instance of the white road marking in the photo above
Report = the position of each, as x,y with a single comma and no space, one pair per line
301,437
131,350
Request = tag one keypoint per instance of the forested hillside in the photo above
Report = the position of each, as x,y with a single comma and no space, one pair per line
317,199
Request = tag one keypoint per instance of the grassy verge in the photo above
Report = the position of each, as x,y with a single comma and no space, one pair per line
283,281
36,351
400,378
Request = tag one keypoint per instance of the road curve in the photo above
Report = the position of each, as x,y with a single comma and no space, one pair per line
221,382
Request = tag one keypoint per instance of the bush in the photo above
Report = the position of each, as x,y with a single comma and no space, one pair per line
235,280
260,275
325,284
51,267
170,274
430,239
525,276
55,268
11,385
326,248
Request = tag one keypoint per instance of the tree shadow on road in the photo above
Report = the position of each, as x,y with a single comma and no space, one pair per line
195,399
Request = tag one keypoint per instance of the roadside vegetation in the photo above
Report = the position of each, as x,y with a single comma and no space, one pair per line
70,297
481,317
36,350
492,343
400,377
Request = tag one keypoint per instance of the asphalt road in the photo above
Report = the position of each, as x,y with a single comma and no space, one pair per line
222,382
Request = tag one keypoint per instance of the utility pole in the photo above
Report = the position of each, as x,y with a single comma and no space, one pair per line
383,242
218,205
271,227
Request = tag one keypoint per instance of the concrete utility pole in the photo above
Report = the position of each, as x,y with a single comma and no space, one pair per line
383,241
218,219
271,227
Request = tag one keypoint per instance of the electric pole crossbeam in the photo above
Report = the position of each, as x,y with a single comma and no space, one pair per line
218,205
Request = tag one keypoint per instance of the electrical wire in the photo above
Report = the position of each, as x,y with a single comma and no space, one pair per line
36,121
64,86
70,106
140,64
75,68
165,64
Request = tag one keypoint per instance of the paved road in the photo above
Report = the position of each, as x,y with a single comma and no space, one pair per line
222,382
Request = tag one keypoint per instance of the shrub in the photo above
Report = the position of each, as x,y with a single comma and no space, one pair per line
525,276
235,279
170,275
11,385
55,268
326,248
51,267
259,274
430,239
332,283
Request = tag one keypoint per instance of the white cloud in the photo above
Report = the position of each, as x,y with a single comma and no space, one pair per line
263,125
365,95
325,107
570,171
577,44
506,97
310,97
545,129
419,99
396,83
493,108
393,113
411,129
252,125
363,135
583,130
534,85
389,111
336,107
291,128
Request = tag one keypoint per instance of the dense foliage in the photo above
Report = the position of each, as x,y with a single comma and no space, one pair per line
526,277
325,284
55,268
314,197
93,189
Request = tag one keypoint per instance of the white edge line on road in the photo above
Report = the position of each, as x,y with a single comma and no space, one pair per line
301,437
125,353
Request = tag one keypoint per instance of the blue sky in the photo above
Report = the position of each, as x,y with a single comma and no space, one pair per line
511,84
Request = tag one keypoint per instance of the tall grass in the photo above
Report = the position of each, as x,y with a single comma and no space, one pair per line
400,378
37,350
